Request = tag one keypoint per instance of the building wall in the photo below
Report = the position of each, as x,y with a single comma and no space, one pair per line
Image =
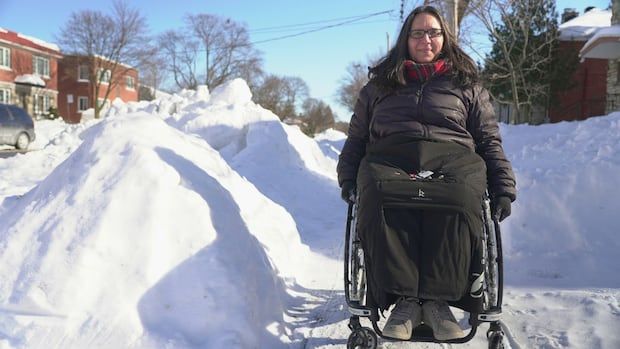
613,75
613,86
71,88
120,90
22,52
62,86
587,96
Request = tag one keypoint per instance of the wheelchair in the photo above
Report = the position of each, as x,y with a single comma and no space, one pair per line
356,291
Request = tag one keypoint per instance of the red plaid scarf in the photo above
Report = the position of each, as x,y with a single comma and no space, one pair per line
423,71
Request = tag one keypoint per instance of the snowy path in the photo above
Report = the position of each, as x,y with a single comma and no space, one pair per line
550,319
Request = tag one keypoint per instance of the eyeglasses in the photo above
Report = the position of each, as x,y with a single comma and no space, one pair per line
419,33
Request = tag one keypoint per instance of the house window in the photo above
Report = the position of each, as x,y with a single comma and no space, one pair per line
5,96
104,76
130,83
41,66
41,104
618,73
83,72
82,103
5,57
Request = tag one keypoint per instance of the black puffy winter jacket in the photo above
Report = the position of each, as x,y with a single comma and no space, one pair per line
436,109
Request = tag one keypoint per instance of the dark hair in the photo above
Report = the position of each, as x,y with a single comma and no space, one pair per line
388,73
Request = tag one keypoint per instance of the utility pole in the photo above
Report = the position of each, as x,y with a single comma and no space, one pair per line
452,16
387,35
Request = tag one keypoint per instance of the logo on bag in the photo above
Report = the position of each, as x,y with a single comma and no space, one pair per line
421,196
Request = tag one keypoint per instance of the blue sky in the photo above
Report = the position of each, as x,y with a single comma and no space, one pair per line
320,58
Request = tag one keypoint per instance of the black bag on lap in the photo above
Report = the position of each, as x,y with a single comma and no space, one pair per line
420,220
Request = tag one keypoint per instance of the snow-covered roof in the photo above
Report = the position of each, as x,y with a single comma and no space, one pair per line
30,79
581,28
28,42
40,42
109,60
604,44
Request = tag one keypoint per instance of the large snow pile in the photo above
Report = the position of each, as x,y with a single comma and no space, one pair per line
564,230
145,236
199,220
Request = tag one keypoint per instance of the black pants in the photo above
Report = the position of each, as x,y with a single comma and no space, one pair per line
427,254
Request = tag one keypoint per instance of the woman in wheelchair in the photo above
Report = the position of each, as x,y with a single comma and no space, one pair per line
423,115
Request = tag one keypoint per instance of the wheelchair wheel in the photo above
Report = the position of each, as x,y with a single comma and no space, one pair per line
362,338
492,296
358,273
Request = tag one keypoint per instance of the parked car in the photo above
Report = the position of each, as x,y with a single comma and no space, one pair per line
16,126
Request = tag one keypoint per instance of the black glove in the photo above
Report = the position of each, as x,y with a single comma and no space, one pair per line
500,207
348,191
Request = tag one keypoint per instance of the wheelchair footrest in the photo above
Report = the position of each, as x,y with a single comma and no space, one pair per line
359,310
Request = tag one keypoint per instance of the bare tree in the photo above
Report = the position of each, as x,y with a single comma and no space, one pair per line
281,94
211,50
252,72
356,77
181,52
318,116
110,45
152,74
524,63
351,85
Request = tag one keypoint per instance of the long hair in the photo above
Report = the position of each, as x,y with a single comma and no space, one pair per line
388,73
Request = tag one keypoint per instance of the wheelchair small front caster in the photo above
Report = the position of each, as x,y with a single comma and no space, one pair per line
362,338
496,339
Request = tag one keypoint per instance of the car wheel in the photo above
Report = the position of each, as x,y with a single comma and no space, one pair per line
22,141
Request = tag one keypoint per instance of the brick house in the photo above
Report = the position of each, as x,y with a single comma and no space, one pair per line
28,72
77,92
587,96
605,44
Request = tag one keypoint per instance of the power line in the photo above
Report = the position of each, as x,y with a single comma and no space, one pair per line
359,18
284,30
353,21
301,25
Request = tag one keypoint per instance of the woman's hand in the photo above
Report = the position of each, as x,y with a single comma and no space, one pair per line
348,191
500,207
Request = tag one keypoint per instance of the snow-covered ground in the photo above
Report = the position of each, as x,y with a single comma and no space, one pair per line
199,220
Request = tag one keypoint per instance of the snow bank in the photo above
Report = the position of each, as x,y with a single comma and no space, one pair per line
143,229
563,231
55,141
223,118
331,142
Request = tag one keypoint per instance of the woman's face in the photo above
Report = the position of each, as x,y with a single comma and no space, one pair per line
426,48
